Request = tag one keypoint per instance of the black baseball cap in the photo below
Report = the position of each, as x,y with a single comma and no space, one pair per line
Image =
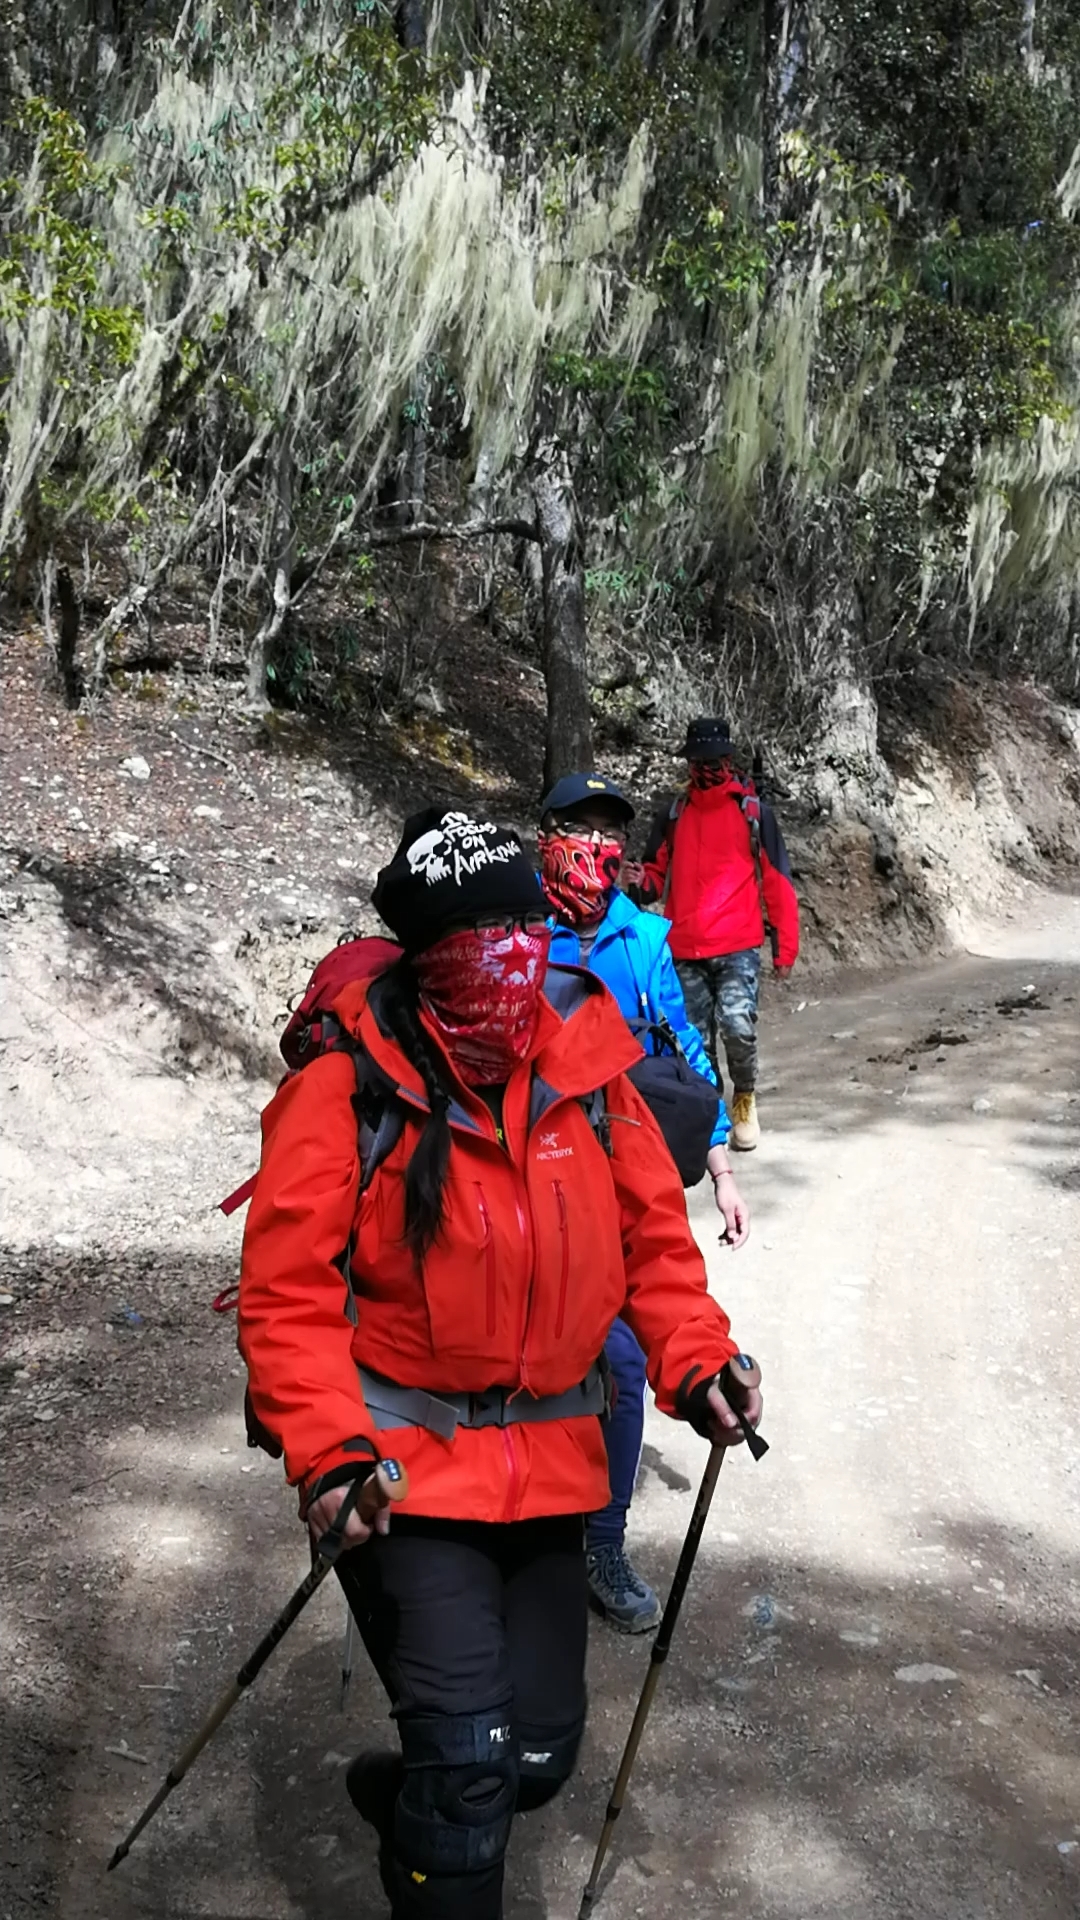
708,740
576,789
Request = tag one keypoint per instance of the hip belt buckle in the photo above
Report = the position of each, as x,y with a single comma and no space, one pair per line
489,1409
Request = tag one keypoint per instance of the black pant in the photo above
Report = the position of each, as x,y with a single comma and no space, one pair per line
478,1634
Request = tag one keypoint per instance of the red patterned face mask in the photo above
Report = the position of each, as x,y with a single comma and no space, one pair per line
709,773
578,873
480,991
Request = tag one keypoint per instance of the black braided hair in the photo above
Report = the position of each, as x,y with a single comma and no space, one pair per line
425,1175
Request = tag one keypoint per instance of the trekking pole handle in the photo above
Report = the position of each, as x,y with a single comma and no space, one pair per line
389,1482
736,1379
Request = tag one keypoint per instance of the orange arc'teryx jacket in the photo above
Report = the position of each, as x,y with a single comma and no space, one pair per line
545,1240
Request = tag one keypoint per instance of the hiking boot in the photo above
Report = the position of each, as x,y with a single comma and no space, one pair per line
745,1126
620,1594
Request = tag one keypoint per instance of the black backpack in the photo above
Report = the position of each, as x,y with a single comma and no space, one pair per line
682,1102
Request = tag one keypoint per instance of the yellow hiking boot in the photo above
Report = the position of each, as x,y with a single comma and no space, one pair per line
745,1126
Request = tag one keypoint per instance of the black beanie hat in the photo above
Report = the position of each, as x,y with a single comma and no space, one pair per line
450,867
708,740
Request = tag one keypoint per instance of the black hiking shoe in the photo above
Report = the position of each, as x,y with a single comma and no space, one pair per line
619,1593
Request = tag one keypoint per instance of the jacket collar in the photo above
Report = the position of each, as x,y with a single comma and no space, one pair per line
731,789
621,914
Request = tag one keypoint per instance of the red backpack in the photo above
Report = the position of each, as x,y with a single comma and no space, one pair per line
311,1031
304,1038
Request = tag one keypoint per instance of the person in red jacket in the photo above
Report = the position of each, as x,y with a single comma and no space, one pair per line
452,1313
719,853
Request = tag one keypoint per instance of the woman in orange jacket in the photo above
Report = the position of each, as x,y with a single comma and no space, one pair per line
452,1312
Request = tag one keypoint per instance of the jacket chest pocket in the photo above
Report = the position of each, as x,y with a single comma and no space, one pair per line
580,1274
488,1244
474,1275
564,1257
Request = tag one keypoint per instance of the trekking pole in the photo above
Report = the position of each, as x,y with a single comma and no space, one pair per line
389,1480
732,1384
347,1656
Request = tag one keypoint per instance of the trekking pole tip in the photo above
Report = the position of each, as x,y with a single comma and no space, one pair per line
119,1854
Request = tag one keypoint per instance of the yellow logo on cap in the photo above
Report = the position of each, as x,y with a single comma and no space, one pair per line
600,786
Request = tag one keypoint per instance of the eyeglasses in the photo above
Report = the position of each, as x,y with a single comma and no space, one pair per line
577,830
498,926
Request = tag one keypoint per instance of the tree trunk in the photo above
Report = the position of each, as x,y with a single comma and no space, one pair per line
784,56
69,639
667,24
414,469
64,643
270,629
410,25
568,744
1027,32
772,12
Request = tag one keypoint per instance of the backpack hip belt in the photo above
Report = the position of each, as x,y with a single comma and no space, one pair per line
443,1413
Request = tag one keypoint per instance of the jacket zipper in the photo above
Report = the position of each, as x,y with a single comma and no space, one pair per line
528,1240
489,1257
513,1477
564,1276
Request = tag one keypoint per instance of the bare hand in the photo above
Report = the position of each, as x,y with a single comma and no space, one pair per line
733,1207
725,1430
370,1515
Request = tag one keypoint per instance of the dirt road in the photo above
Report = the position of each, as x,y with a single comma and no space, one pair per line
871,1708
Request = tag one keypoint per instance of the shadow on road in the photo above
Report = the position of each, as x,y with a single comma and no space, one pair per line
142,1562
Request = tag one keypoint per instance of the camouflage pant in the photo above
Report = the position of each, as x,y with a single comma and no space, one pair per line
722,1001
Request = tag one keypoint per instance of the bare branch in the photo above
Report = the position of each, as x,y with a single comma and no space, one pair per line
396,536
131,602
468,530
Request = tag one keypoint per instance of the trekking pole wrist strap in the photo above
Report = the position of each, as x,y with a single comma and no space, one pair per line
332,1543
694,1404
347,1474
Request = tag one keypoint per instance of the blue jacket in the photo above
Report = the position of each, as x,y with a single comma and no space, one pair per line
632,957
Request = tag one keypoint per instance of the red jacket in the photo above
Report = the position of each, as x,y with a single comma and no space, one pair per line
544,1242
704,852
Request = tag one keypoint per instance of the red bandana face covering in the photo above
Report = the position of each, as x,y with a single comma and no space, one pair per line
709,773
578,874
481,992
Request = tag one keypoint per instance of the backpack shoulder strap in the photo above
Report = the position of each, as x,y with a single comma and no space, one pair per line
375,1142
750,808
380,1117
675,813
594,1107
380,1120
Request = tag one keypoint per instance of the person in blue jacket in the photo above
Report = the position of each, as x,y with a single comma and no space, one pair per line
583,827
